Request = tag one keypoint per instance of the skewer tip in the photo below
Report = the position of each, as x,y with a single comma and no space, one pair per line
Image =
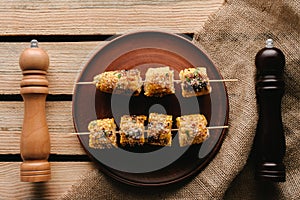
85,83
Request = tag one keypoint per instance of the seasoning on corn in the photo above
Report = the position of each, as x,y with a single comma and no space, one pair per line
192,129
159,129
159,82
102,133
132,130
194,82
120,82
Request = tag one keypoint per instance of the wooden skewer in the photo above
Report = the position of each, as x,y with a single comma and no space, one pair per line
85,83
177,81
216,127
209,128
224,80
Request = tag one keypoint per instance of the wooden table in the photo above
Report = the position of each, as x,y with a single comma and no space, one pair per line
69,31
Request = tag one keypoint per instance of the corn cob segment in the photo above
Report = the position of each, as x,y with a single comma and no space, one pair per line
120,82
159,82
159,129
192,129
102,133
194,82
132,130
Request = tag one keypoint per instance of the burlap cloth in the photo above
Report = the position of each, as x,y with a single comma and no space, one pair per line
232,37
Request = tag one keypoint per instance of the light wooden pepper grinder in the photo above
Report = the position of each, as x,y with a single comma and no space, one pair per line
35,139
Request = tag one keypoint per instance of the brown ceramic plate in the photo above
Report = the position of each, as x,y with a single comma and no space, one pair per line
149,165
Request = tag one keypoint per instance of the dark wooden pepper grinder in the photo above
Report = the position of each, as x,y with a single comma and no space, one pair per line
270,139
35,139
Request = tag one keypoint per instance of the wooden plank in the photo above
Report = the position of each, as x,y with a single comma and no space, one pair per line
64,175
78,17
66,62
60,123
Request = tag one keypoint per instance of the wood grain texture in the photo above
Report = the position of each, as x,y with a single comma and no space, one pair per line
60,123
64,175
102,17
76,17
66,62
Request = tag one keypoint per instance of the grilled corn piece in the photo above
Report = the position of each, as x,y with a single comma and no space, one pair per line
159,129
102,133
132,130
192,129
194,82
159,82
127,82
